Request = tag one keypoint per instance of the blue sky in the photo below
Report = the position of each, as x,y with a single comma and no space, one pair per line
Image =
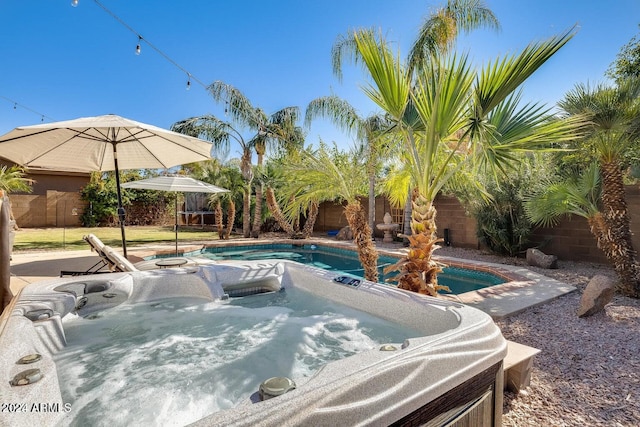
67,62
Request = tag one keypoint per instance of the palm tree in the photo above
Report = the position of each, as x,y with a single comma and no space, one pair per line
580,196
436,36
370,131
614,115
324,175
572,196
12,180
221,133
465,119
278,129
228,176
440,30
274,179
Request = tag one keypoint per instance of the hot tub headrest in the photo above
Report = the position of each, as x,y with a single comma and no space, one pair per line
248,278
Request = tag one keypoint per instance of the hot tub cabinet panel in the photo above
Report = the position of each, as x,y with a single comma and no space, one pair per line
449,375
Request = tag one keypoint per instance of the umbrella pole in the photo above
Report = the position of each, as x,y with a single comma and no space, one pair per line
120,208
176,226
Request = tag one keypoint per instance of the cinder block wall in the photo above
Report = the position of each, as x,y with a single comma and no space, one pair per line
55,209
569,240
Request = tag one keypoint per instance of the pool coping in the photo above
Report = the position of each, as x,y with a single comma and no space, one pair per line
523,289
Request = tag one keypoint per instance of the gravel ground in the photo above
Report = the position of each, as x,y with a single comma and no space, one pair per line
588,372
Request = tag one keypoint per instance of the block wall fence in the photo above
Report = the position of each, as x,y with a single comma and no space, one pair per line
569,240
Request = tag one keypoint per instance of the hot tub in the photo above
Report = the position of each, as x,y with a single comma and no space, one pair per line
444,366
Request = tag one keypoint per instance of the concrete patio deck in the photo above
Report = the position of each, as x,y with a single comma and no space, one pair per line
525,289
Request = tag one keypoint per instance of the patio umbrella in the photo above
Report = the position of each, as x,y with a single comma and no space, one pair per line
177,184
101,143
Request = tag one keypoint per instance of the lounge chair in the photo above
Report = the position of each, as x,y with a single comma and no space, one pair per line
112,261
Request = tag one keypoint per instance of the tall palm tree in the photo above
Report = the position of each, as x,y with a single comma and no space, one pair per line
323,175
221,133
466,119
614,115
370,131
279,129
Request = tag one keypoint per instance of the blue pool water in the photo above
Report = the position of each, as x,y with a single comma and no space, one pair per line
344,261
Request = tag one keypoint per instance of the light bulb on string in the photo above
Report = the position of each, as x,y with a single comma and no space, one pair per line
15,105
138,45
74,3
189,83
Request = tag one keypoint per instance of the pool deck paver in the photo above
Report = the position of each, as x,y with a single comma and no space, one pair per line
526,289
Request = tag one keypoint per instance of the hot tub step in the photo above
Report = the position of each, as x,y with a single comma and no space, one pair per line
517,366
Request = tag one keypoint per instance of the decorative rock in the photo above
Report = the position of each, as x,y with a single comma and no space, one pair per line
596,295
537,258
345,234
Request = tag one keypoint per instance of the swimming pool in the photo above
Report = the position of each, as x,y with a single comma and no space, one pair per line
459,280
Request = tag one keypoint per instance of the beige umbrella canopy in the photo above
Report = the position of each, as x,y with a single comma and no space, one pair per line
177,184
101,143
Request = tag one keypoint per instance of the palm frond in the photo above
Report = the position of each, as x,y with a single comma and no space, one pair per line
500,78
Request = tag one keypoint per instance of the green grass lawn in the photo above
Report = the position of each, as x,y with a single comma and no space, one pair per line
32,239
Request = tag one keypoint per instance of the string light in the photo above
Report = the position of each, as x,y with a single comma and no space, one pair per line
141,39
16,104
74,3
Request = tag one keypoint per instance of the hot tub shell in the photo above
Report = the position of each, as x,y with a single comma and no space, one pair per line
454,367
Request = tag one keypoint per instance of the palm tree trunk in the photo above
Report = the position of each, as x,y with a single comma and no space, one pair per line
231,215
219,224
307,230
406,219
616,218
246,212
257,214
372,198
274,208
367,252
417,270
247,175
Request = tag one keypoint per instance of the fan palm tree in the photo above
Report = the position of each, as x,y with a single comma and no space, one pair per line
436,36
578,196
324,175
614,115
465,119
370,131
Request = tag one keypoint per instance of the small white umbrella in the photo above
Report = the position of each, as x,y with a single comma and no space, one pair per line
177,184
101,143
